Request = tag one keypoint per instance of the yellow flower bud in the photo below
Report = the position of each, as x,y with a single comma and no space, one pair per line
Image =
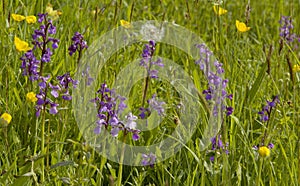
264,151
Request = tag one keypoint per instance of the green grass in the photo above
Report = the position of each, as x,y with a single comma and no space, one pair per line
67,160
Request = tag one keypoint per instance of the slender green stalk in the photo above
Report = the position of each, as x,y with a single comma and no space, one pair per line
48,147
5,137
120,172
258,178
36,136
43,145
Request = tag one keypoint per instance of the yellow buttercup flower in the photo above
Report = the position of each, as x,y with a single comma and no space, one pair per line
21,46
219,11
6,118
125,24
31,97
54,14
30,19
296,68
17,17
264,151
241,26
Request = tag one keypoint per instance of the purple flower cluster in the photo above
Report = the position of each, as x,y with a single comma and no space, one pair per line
216,91
146,62
31,66
109,106
154,104
286,27
217,144
41,36
147,54
65,81
265,113
216,83
55,90
78,44
43,99
149,159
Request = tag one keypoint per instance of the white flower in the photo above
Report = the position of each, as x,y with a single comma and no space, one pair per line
131,124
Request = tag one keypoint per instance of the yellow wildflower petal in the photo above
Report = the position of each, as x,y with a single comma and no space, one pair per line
264,151
21,46
17,17
54,14
31,97
219,11
30,19
241,26
296,68
125,24
49,9
6,117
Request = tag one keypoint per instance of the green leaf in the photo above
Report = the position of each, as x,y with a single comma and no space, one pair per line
239,173
17,96
252,92
23,181
112,171
29,174
63,163
58,66
93,182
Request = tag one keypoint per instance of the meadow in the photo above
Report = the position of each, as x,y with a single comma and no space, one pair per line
92,93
